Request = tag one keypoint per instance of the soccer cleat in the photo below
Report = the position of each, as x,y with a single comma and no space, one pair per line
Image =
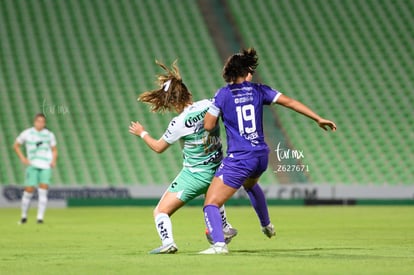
217,248
23,221
39,221
168,249
269,230
229,234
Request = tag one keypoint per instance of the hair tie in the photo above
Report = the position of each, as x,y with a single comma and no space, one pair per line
167,85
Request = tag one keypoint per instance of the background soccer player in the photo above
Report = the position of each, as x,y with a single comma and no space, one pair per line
41,156
240,105
201,150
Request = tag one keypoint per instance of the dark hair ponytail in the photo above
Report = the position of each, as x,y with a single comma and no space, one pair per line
240,64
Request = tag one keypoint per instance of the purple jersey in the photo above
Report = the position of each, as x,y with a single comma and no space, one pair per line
241,108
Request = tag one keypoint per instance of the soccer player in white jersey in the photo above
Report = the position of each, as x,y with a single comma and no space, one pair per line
41,156
201,150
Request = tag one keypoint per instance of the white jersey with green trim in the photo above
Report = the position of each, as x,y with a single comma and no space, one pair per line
38,146
202,150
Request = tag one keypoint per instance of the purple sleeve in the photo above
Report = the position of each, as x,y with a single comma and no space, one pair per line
269,95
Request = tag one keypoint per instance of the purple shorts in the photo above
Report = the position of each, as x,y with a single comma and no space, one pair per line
234,172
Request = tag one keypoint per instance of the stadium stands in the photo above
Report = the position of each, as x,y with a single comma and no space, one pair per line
83,63
352,62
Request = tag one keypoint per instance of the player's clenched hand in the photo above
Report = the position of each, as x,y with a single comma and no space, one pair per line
136,128
325,124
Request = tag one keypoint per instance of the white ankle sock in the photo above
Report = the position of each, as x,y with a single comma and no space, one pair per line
42,203
164,228
26,198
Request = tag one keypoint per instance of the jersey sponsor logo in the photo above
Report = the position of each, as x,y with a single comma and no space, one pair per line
191,121
242,89
215,158
243,99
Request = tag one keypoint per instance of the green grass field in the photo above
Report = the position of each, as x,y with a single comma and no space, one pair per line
310,240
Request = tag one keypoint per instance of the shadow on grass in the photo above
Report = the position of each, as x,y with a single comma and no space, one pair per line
351,253
340,253
315,249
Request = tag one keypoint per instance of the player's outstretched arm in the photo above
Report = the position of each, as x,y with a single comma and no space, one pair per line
157,146
304,110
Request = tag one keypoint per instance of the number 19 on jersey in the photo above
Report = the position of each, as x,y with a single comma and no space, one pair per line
246,119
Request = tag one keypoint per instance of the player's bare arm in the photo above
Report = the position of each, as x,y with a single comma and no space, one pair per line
17,149
306,111
157,146
210,122
54,156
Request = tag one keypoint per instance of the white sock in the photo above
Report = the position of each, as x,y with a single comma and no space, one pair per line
164,228
26,198
224,222
42,203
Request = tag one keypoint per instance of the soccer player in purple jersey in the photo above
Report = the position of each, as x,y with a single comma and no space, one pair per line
240,105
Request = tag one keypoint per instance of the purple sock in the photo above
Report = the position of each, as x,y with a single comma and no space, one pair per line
212,218
258,200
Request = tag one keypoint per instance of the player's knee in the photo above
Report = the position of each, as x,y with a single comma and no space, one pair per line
29,189
156,211
43,186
